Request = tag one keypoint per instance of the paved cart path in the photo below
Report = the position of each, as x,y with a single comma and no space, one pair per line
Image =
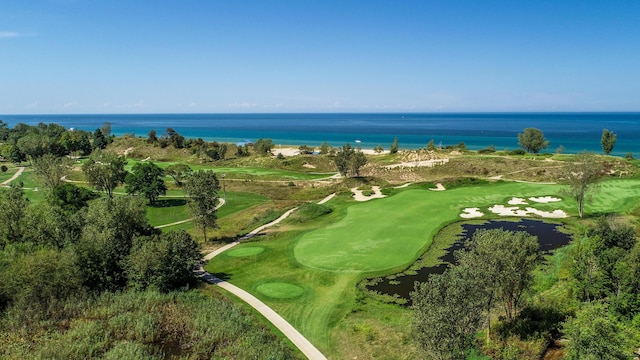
15,176
305,346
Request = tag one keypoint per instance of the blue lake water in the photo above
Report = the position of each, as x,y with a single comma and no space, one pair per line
574,131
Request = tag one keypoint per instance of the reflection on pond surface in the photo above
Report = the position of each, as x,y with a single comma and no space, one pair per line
401,285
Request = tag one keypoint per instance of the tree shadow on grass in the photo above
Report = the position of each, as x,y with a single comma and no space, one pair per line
161,203
222,275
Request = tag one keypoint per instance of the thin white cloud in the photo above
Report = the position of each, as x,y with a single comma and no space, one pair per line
139,104
244,105
33,105
71,104
13,34
9,34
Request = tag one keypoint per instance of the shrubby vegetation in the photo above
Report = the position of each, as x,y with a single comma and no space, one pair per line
599,312
140,325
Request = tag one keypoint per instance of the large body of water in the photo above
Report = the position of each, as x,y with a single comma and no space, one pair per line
574,131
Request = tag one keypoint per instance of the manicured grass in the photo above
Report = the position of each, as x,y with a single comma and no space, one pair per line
243,172
329,255
280,290
389,233
169,210
246,251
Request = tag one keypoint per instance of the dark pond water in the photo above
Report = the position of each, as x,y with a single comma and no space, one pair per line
549,238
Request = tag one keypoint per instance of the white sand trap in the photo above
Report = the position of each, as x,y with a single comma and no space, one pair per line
470,213
544,199
439,187
518,201
556,214
403,185
516,211
358,196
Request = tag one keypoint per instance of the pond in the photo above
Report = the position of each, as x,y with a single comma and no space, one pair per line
401,285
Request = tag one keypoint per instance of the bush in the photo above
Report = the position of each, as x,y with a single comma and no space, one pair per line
629,156
517,152
4,168
488,150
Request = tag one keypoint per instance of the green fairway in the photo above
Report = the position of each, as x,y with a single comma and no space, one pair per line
169,209
244,172
378,237
391,232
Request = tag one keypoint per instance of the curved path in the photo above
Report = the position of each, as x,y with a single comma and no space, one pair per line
305,346
15,176
220,203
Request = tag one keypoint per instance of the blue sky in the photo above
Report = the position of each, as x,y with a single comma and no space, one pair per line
205,56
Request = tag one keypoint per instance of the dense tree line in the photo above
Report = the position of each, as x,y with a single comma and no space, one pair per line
491,290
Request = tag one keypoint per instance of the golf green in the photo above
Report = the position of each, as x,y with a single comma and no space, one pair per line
245,251
280,290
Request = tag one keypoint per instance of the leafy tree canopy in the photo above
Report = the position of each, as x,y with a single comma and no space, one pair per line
532,140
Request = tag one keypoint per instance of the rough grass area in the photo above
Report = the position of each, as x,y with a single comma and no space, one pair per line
145,325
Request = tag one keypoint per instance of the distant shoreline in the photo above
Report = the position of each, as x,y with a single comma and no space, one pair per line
575,132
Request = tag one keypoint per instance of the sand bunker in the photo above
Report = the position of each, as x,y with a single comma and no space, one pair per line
439,187
358,196
516,211
470,213
518,201
544,199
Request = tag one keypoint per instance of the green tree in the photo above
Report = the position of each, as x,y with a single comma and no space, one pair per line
13,207
16,155
532,140
201,188
50,170
153,137
163,262
588,279
393,148
306,150
349,161
147,178
581,175
76,141
106,240
447,314
608,141
70,197
594,336
324,148
99,140
431,145
175,139
178,172
34,145
105,170
216,150
4,131
503,263
378,149
263,146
